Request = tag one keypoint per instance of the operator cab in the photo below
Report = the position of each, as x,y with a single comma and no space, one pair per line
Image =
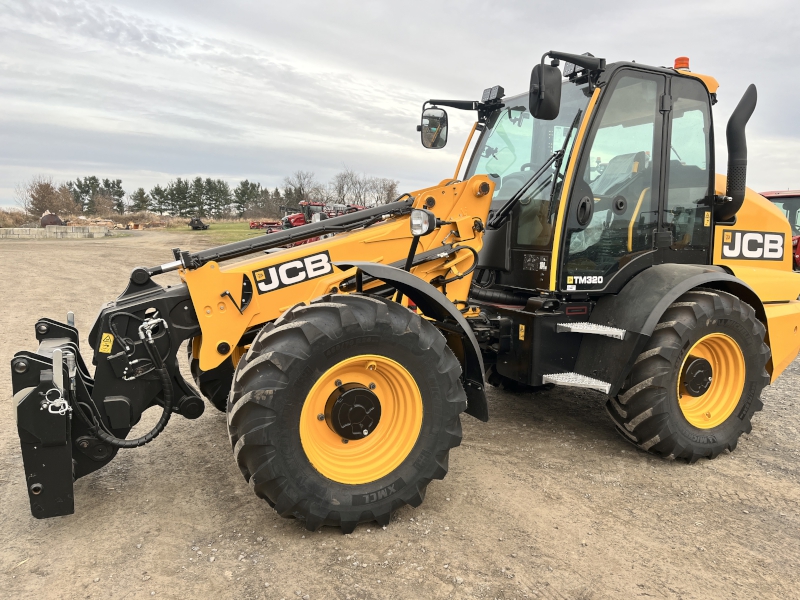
642,190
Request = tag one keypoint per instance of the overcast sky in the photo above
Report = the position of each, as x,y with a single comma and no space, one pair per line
149,90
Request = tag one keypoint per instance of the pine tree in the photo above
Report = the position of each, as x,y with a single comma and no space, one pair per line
178,200
196,197
209,189
159,199
112,189
246,196
84,192
139,201
222,198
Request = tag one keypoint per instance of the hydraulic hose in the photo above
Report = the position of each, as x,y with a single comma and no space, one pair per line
116,442
468,271
496,296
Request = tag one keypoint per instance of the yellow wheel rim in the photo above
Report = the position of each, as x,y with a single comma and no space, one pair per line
387,446
719,401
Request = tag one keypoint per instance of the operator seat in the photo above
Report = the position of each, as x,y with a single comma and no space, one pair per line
619,192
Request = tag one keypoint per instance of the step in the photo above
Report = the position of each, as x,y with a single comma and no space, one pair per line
575,380
584,327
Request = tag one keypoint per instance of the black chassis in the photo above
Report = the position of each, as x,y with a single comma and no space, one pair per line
57,446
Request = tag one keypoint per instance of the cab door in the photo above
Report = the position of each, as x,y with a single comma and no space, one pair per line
612,217
686,221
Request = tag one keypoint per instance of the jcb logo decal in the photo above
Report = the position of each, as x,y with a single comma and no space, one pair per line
752,245
292,272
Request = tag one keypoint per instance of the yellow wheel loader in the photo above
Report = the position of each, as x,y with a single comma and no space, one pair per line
587,243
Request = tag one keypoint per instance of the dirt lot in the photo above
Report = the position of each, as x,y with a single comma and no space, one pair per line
544,501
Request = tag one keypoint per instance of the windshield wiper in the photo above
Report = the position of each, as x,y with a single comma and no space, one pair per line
502,215
557,157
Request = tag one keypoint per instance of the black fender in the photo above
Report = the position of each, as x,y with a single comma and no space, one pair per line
450,322
637,309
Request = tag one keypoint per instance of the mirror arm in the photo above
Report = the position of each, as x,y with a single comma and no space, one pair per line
459,104
484,108
587,62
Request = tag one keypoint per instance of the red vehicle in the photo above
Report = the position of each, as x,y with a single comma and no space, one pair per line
270,226
789,202
309,209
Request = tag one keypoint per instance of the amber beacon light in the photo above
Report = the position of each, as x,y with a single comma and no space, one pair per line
682,62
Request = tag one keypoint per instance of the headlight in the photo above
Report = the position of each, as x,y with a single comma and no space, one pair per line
423,222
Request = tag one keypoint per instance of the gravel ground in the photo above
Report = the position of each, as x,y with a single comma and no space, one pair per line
544,501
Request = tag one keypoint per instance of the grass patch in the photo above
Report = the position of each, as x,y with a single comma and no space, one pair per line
223,233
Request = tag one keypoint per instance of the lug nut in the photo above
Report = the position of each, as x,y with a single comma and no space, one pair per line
365,432
337,383
320,417
20,366
372,386
345,440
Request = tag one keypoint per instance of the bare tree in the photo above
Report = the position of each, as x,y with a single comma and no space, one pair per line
303,184
382,190
359,188
40,193
339,187
105,204
348,187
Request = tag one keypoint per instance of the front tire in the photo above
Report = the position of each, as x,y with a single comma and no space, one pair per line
304,449
695,387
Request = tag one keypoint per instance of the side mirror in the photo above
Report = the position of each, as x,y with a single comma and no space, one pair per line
433,128
545,92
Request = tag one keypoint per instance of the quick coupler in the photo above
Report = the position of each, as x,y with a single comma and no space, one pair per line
43,384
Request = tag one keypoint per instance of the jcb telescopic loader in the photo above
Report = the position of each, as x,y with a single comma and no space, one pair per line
587,244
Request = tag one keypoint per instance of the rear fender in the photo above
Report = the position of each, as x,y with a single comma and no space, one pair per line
637,309
435,305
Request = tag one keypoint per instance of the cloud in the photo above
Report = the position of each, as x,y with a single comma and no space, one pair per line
150,88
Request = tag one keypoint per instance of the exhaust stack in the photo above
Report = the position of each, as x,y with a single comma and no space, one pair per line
737,155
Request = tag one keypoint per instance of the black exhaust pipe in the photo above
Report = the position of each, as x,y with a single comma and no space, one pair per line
737,155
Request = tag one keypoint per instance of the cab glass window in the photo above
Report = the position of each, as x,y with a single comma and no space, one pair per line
515,146
688,207
613,207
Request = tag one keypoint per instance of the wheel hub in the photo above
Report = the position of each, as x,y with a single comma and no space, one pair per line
353,411
697,376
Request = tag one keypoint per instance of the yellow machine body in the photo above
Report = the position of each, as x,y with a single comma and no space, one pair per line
774,282
220,321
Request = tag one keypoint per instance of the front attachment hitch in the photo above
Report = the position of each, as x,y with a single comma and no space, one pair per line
41,387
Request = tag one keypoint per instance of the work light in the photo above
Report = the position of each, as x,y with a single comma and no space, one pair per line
423,222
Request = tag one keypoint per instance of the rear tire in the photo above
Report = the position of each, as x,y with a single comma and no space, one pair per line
275,439
656,413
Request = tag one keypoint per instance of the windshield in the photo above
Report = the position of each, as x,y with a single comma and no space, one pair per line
791,208
515,145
